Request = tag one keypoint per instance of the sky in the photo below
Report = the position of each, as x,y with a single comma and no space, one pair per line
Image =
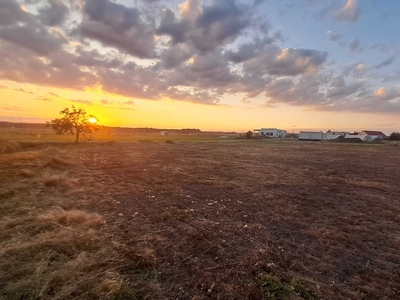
212,64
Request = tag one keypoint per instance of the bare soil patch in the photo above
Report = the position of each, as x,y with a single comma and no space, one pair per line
239,220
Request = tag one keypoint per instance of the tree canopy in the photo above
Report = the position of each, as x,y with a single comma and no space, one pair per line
394,136
74,121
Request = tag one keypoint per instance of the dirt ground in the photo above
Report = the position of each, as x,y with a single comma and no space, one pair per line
209,220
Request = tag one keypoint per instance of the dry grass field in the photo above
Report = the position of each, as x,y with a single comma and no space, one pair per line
198,220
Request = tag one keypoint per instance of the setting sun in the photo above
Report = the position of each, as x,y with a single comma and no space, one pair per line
92,120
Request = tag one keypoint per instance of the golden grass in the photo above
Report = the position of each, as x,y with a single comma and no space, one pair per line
48,248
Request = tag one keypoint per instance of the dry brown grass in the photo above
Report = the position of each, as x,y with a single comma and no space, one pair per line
48,248
200,221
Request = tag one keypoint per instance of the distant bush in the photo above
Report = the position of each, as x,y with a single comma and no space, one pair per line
394,136
170,142
248,134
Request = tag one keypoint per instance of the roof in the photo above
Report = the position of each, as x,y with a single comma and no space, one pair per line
372,132
269,129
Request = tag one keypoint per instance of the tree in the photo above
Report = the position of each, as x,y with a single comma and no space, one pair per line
394,136
248,134
74,121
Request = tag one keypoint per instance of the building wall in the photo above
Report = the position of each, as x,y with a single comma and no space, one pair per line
311,135
276,133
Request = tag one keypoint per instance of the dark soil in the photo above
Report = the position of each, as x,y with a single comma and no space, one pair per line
205,220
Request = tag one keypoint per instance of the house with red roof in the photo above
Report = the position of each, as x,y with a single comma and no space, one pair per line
373,133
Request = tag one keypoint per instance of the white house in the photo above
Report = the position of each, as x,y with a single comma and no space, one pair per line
311,135
331,135
271,132
374,133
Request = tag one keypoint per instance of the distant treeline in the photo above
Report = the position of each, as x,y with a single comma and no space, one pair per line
22,125
153,130
117,130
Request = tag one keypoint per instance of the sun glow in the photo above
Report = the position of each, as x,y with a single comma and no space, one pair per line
92,120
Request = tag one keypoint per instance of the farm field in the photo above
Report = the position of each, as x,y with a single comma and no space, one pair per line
234,219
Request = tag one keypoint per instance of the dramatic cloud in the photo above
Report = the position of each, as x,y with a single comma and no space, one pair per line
339,87
53,14
247,51
210,26
286,62
350,12
117,26
196,51
190,9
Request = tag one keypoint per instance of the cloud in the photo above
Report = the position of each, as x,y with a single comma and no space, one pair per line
340,88
333,36
11,13
385,63
356,69
384,47
213,26
175,55
354,45
118,26
301,93
247,51
190,9
54,14
36,39
21,28
387,94
286,62
121,108
350,12
106,102
58,69
84,102
200,52
11,108
23,91
43,98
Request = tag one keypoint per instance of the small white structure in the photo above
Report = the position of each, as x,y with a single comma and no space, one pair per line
271,132
363,138
321,136
376,138
163,133
331,135
311,135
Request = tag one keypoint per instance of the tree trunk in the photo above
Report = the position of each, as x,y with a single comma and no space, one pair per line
77,136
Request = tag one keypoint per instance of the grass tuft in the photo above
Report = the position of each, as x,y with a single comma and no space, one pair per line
304,288
56,180
73,217
274,288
